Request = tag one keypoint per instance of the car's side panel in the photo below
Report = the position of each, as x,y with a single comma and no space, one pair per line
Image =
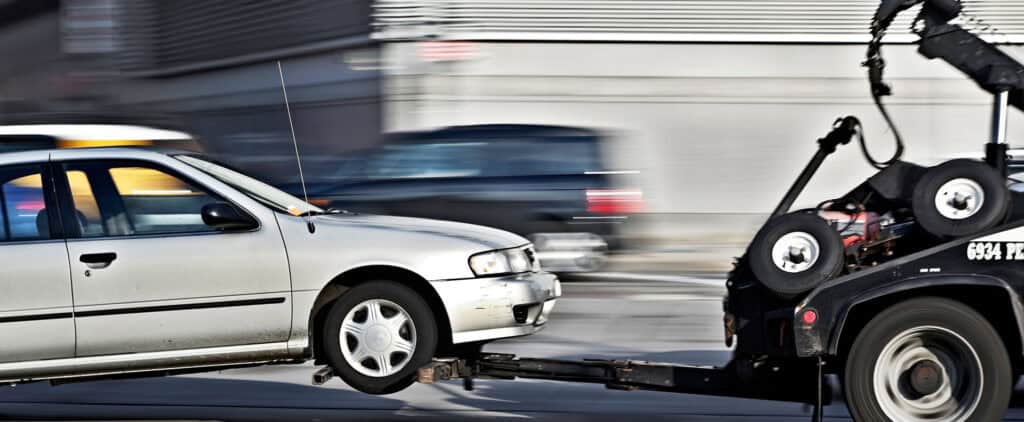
118,364
477,308
35,286
167,293
340,244
35,302
302,309
180,291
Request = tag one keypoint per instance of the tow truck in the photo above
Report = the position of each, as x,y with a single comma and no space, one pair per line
908,287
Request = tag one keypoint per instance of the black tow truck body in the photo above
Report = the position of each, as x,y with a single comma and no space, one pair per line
991,284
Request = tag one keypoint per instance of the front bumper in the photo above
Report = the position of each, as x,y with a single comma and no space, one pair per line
491,308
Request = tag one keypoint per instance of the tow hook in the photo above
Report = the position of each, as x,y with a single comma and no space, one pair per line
729,323
322,375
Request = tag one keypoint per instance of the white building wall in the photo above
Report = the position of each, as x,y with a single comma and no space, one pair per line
714,128
717,103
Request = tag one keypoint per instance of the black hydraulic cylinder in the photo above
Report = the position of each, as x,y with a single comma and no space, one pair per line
801,183
842,132
995,156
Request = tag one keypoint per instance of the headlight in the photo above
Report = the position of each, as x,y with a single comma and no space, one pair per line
505,261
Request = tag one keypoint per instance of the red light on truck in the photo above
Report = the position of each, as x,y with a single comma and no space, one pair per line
809,317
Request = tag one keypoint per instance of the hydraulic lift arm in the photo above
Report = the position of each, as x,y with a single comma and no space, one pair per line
993,70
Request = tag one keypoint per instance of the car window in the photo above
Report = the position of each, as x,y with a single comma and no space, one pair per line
24,212
544,156
118,200
427,161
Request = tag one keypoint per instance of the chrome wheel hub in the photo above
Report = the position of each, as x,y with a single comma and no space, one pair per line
960,198
928,374
795,252
378,338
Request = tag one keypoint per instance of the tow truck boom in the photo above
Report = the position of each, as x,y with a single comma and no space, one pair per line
991,68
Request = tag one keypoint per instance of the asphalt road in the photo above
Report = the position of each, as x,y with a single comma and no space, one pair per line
669,319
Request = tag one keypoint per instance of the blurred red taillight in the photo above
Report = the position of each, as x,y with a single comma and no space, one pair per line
614,201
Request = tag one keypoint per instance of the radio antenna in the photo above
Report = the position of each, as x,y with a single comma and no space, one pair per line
295,143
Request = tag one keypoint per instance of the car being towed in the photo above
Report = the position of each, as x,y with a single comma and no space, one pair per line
120,261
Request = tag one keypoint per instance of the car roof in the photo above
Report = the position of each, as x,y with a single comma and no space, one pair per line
106,153
94,132
496,131
133,151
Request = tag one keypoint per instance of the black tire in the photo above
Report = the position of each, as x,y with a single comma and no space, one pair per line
424,331
788,284
869,351
989,214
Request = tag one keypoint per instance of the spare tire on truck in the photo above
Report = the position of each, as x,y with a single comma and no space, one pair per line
960,198
794,253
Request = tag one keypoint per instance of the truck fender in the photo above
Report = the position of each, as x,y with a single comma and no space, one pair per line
924,285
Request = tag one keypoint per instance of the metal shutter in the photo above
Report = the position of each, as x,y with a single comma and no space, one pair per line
662,20
160,36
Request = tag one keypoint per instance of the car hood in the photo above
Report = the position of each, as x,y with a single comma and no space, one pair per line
487,237
432,249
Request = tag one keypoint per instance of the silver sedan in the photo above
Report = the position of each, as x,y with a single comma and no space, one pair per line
126,261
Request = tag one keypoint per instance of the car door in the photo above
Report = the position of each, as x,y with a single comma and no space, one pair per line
149,275
35,288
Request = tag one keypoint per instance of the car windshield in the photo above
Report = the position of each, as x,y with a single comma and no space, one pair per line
255,189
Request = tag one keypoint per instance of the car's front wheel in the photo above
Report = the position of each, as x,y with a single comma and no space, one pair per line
377,335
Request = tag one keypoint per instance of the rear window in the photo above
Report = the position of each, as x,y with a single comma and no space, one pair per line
483,158
23,213
540,156
434,160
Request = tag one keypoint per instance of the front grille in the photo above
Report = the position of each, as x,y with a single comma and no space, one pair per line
521,313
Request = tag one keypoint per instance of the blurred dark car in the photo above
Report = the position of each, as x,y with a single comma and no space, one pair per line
547,183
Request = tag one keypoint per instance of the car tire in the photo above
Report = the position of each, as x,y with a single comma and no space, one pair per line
959,198
820,255
890,370
377,335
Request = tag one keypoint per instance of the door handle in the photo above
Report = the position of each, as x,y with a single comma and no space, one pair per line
98,260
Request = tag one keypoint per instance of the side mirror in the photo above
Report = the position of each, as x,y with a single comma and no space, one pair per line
225,216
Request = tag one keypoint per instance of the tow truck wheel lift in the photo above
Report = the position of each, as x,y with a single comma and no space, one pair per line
908,287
